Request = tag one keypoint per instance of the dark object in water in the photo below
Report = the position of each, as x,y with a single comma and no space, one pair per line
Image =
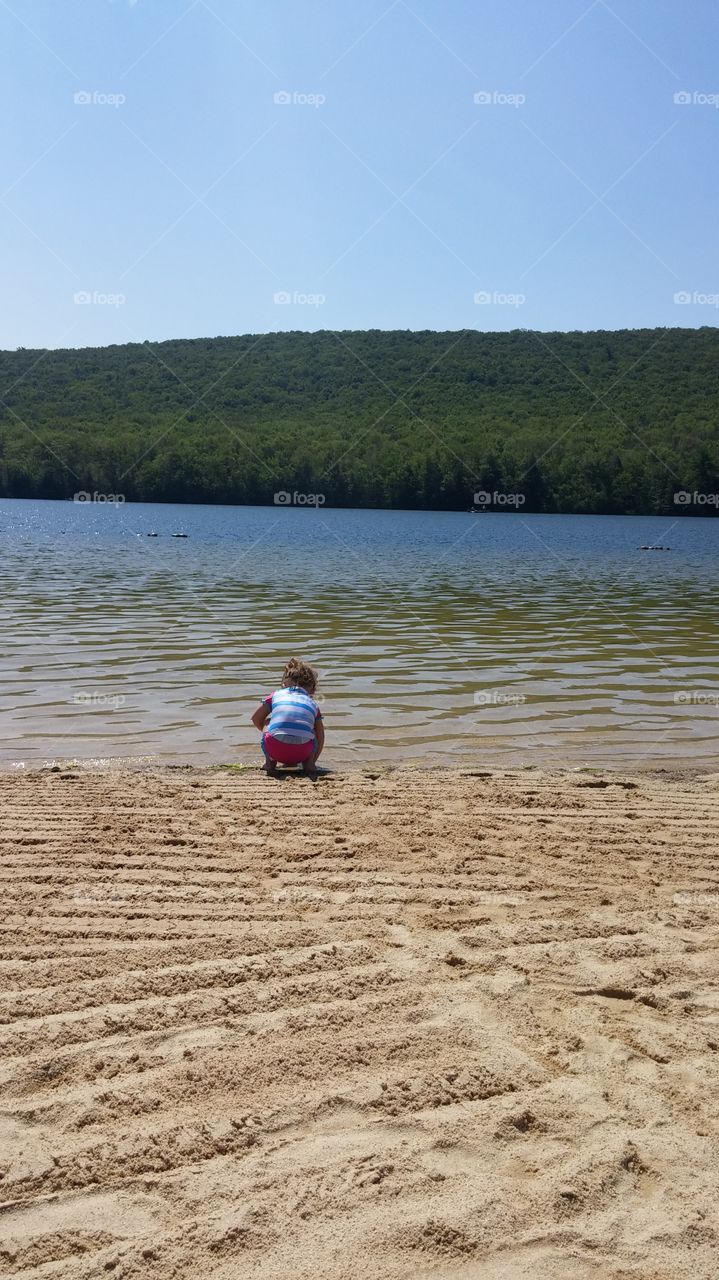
150,535
178,535
657,548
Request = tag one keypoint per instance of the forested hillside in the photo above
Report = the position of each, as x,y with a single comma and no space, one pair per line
577,422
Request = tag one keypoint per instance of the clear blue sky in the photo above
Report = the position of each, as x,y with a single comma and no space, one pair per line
392,202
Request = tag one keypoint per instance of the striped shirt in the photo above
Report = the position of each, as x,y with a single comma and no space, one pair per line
293,713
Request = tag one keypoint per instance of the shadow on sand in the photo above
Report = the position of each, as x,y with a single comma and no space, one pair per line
283,772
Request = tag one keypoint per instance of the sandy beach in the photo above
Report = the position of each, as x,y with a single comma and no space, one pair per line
396,1023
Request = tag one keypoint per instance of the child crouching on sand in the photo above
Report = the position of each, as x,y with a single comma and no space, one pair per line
290,720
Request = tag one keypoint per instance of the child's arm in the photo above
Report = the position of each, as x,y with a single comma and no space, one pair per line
320,735
261,716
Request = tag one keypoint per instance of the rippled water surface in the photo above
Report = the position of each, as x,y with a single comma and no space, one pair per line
526,639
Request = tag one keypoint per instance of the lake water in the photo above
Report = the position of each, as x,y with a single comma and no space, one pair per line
548,640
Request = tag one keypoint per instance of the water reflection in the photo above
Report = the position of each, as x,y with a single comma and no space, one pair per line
526,639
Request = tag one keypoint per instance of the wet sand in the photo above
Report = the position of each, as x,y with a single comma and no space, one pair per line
455,1023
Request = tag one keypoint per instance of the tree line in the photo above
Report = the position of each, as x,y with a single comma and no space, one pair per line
598,422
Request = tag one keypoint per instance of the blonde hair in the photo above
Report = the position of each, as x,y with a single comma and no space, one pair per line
301,674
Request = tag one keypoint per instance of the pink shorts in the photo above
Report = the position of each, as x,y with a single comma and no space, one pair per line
287,752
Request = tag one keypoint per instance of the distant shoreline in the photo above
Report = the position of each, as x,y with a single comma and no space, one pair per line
682,513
